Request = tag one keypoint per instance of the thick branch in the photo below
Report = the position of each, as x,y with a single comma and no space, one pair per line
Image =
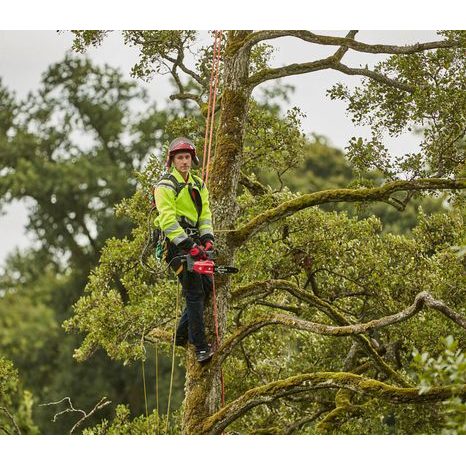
324,380
338,55
331,62
381,193
187,96
421,300
289,70
349,42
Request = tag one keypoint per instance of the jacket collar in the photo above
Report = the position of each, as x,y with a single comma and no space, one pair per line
179,176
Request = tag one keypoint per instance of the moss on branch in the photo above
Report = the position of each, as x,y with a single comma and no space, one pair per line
381,193
216,423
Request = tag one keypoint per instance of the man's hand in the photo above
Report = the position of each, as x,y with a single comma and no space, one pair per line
197,252
209,246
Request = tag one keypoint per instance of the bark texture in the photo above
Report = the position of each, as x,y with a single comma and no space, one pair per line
202,394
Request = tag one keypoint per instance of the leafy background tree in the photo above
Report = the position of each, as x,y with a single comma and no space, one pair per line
70,151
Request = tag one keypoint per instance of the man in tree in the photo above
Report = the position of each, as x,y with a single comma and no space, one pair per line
186,222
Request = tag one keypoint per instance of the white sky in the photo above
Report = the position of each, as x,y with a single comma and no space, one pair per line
25,55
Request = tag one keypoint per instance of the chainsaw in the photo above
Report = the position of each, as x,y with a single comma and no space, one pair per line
207,266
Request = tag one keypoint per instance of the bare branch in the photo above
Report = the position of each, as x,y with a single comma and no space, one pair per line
216,423
324,64
184,68
338,55
349,42
372,75
334,61
71,409
381,193
289,70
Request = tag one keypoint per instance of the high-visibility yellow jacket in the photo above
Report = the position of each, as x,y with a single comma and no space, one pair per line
172,208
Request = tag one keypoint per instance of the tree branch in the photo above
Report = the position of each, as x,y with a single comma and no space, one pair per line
101,404
12,419
184,68
305,420
216,423
336,316
331,62
372,75
381,193
422,299
187,96
289,70
349,42
254,186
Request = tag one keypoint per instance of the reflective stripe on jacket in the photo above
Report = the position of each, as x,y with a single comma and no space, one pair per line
172,208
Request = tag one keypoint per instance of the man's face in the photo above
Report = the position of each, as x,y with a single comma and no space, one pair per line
182,162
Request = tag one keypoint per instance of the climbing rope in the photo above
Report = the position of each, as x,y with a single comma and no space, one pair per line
145,389
213,86
157,385
177,306
217,337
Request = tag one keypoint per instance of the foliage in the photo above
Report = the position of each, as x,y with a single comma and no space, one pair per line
152,424
449,367
435,107
15,403
69,151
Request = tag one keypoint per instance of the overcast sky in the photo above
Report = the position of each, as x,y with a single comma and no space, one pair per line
25,55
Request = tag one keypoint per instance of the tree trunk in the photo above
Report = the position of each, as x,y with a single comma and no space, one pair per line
202,390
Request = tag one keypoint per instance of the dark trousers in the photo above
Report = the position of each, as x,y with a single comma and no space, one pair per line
196,290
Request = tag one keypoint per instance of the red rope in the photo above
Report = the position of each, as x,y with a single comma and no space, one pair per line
204,158
213,86
217,337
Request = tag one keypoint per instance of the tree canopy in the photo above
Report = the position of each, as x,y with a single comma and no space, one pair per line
319,326
334,324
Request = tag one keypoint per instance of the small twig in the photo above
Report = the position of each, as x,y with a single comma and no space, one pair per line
12,419
101,404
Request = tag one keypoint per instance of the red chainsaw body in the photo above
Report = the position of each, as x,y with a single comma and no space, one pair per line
205,267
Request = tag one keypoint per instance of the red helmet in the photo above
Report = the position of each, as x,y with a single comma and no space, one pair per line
182,145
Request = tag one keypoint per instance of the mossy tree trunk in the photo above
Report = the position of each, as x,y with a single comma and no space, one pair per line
202,392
